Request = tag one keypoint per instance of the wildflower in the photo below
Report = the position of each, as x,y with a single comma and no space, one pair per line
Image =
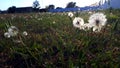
13,31
78,22
25,33
97,20
7,35
70,14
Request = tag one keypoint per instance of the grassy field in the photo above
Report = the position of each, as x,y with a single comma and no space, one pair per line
53,42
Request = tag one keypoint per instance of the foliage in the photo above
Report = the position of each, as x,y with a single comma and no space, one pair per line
71,5
50,7
53,42
36,4
11,9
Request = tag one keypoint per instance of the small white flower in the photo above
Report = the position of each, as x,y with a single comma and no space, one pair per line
78,22
70,14
25,33
7,35
13,31
97,20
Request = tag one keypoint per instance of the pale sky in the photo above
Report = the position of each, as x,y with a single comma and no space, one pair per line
4,4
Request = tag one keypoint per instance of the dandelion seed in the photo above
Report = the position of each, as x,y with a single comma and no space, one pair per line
78,22
13,31
7,35
25,33
70,14
98,20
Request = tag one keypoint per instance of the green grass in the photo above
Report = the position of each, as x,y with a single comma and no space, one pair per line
53,42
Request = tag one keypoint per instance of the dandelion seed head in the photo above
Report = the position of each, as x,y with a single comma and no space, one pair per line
78,22
25,33
7,35
70,14
13,31
97,20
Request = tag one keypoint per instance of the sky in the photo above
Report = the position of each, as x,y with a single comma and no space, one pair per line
5,4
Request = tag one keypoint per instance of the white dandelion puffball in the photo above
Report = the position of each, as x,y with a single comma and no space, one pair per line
70,14
25,33
97,20
78,22
13,31
7,35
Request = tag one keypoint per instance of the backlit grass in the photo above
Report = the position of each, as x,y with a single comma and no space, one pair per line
53,42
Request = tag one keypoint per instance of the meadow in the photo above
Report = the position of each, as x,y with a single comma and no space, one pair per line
53,42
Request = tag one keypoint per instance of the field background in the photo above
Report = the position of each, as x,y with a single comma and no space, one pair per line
53,42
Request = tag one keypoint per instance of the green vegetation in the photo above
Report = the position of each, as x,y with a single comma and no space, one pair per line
53,42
